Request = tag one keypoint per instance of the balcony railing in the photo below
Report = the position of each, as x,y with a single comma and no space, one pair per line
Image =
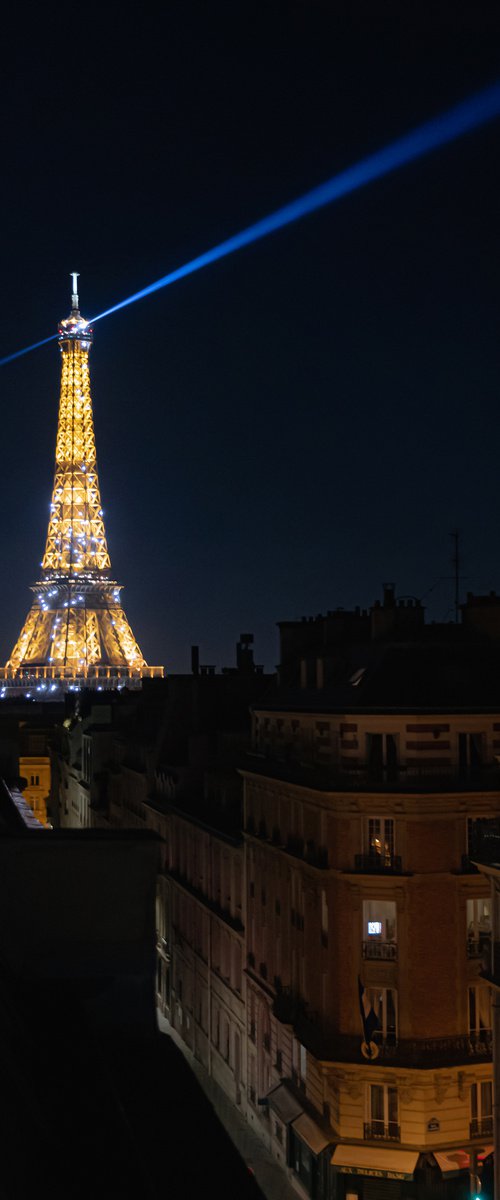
388,951
380,1131
481,1127
376,864
300,765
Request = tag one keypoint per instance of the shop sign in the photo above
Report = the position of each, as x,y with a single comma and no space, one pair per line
371,1171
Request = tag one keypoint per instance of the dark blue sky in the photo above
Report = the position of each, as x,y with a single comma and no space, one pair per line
282,432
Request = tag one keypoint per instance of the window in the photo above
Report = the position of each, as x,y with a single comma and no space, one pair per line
379,929
483,838
383,1112
251,1080
236,977
481,1109
381,840
302,1162
478,926
299,1063
324,918
470,752
479,1011
382,755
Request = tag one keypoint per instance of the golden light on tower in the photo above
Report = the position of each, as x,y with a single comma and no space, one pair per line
76,631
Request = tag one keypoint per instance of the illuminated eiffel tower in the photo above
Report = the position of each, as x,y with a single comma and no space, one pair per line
76,632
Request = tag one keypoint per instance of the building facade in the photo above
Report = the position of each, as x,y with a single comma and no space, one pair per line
165,760
374,780
323,929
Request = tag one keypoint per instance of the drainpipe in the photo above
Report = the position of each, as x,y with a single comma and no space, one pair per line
495,998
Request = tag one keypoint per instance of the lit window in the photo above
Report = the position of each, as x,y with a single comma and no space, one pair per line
381,840
379,929
478,927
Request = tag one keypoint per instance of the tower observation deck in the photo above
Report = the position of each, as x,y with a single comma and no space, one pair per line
76,633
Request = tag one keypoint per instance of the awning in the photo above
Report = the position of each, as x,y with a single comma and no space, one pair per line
485,1153
284,1103
452,1163
367,1160
455,1161
311,1134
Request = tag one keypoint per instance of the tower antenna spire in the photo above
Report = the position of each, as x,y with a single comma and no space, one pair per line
76,633
75,307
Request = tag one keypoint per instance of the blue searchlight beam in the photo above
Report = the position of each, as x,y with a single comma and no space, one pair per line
477,110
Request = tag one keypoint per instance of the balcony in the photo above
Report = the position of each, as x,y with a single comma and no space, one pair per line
481,1127
309,851
330,777
378,864
378,1131
382,951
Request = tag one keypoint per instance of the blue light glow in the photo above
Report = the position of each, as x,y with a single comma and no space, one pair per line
477,110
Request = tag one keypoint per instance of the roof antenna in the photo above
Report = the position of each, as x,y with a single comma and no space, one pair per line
74,298
455,534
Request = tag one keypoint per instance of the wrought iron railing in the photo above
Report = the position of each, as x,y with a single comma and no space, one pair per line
481,1127
375,948
382,1131
378,864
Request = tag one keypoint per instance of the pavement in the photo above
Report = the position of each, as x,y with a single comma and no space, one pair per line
269,1175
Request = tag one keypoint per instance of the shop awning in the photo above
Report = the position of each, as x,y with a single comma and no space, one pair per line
485,1153
311,1134
452,1163
284,1103
455,1161
384,1163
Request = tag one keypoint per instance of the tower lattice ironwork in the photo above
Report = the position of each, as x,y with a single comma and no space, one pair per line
76,629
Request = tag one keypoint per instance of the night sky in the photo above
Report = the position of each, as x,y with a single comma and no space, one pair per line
282,432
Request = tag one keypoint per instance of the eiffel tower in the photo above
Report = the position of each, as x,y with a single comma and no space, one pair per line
76,633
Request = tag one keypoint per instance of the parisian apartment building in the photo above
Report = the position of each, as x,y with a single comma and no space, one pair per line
324,932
